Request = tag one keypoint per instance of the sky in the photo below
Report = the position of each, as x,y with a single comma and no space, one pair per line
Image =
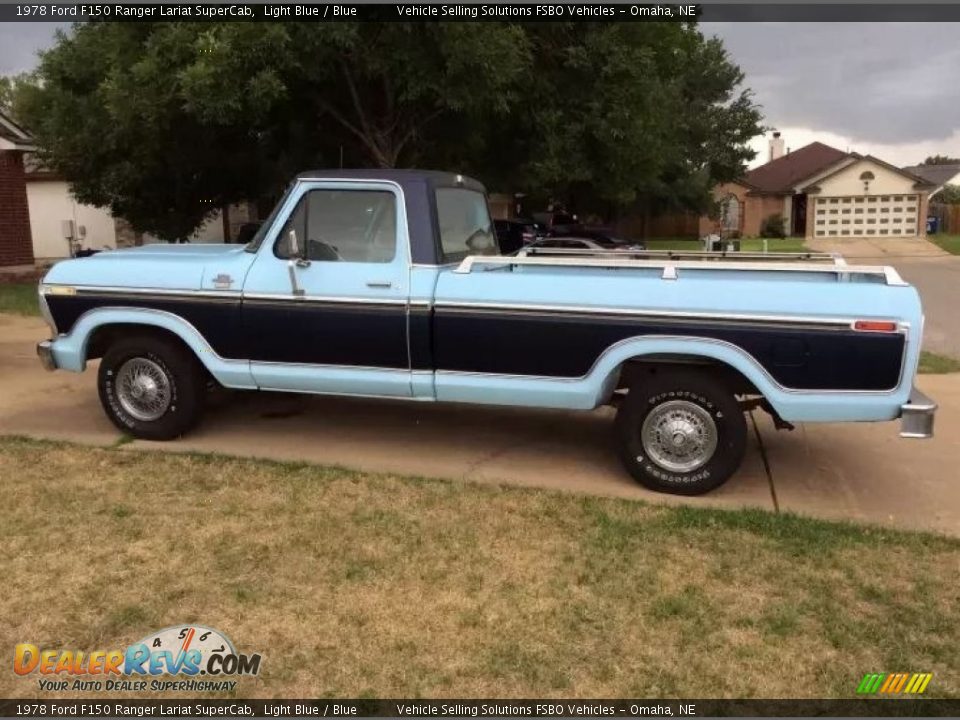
885,89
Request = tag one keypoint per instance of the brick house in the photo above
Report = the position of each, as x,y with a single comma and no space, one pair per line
16,246
823,192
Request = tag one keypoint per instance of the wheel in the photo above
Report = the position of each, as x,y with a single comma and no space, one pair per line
151,387
681,432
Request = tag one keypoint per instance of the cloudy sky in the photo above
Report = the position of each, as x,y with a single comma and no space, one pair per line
888,89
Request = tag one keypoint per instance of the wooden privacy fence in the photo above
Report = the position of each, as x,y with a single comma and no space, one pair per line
949,217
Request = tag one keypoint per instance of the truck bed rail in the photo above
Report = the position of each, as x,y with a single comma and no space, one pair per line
672,262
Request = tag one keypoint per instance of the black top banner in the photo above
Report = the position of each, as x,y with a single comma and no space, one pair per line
557,709
479,12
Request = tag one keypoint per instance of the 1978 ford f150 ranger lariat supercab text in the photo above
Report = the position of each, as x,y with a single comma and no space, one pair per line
389,284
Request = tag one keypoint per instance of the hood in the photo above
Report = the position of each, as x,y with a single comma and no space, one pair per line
162,266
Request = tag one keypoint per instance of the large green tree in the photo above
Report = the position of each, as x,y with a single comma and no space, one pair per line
165,122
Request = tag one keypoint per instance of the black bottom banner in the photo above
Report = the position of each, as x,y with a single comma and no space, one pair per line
560,709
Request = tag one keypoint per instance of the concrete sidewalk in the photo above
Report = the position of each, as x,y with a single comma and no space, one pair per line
857,472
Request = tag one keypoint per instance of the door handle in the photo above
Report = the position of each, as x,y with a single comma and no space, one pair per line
383,285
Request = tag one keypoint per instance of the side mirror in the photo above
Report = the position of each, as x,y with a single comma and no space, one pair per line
294,244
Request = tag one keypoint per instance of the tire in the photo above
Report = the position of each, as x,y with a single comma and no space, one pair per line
151,387
695,408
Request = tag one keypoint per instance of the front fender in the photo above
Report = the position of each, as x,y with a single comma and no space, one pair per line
70,351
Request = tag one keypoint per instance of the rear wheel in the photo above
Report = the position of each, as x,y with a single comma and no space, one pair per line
681,432
151,387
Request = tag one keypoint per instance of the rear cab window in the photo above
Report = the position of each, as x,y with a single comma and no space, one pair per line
464,224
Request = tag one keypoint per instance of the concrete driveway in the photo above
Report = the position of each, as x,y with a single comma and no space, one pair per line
856,472
934,272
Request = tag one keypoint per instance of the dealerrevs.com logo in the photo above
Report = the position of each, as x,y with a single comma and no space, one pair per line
188,652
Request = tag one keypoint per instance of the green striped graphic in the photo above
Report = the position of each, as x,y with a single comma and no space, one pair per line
871,682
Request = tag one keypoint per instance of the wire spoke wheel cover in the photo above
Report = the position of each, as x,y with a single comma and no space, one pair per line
143,389
679,436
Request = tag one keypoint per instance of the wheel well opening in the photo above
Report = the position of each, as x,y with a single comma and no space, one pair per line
636,369
105,335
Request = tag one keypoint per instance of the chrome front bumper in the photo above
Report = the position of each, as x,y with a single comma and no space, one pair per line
45,353
916,416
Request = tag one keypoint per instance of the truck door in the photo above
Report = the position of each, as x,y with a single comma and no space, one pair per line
325,302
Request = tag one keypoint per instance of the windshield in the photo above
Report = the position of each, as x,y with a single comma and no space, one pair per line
257,240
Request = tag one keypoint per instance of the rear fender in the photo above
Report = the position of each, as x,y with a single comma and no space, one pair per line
791,405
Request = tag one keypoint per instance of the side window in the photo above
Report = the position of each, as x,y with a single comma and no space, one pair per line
343,225
464,222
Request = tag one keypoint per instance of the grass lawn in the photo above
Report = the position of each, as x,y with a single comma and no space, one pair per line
747,244
950,243
935,364
19,298
354,584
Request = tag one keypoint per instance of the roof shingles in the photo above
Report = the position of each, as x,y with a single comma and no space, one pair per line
784,173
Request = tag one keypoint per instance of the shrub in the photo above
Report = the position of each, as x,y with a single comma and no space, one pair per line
775,226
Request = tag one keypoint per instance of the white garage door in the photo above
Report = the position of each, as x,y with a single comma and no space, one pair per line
867,216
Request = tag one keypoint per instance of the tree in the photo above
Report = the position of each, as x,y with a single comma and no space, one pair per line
940,160
949,195
165,122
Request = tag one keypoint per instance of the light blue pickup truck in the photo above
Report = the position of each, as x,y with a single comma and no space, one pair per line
390,284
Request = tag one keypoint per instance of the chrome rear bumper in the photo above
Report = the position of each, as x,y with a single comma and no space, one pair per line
916,416
45,353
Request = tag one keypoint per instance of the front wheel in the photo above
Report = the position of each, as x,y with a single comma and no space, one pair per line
151,387
681,432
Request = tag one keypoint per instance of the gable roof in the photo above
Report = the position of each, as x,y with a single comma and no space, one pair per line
937,175
12,136
787,171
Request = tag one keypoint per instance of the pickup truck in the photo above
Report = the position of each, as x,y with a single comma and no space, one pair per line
389,283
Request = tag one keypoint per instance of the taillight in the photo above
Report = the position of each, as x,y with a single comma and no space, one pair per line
875,326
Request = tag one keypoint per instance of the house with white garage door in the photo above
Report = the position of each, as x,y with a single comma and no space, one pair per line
823,192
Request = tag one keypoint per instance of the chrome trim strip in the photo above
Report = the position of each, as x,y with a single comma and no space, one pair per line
326,366
46,289
839,322
332,299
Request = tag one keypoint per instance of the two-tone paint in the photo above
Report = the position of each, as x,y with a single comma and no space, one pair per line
416,328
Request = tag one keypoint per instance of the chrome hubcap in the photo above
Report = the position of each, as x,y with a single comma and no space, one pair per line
143,389
679,436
